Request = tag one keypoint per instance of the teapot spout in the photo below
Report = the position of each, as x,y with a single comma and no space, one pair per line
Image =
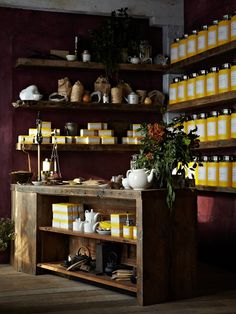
95,217
150,176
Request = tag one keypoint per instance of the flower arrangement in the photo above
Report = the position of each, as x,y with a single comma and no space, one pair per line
166,148
7,232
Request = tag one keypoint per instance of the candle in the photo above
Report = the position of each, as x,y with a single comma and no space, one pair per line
76,42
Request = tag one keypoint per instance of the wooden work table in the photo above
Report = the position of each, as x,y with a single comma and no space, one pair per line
164,252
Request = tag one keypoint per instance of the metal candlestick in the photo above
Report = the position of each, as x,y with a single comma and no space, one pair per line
39,140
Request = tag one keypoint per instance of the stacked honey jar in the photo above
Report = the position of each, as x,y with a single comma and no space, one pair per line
219,32
204,83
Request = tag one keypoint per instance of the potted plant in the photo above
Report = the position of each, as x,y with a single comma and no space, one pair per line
7,232
168,150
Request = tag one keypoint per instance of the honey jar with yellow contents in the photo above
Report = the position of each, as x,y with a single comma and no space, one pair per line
182,88
192,44
225,171
224,124
213,171
234,172
212,82
173,91
212,36
202,39
191,86
233,27
233,77
183,47
174,51
201,84
233,123
224,77
202,171
201,123
224,30
212,126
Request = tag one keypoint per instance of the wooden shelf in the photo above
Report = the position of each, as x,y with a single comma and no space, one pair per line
102,279
222,99
81,147
46,104
88,235
46,63
217,189
212,57
217,144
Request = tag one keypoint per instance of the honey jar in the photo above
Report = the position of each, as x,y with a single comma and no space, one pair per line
233,124
225,171
191,124
182,88
128,229
174,51
191,86
173,91
201,84
202,39
224,124
212,82
224,30
224,78
202,171
183,47
213,171
192,44
212,36
233,77
233,27
234,172
201,123
212,126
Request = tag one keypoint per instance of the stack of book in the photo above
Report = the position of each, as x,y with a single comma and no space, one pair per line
122,274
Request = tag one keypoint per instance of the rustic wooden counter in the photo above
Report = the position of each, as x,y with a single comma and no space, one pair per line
165,250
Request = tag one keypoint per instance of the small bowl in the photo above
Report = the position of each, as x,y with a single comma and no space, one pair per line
71,57
21,176
37,182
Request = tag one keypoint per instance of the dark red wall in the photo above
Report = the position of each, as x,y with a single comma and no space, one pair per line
22,32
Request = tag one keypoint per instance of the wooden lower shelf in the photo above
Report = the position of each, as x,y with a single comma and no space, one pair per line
231,143
215,189
103,279
88,235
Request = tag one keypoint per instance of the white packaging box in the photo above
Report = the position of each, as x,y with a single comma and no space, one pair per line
93,140
26,139
45,140
69,139
131,140
97,126
136,126
86,132
64,214
44,131
108,140
46,124
129,133
59,139
81,139
105,132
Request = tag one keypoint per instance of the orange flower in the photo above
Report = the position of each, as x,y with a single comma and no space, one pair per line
149,156
156,131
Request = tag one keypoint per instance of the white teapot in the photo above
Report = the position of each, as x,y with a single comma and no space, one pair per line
91,216
140,179
133,98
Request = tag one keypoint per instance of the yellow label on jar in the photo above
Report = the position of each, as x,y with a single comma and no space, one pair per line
202,41
233,77
202,174
174,55
224,80
233,125
191,88
212,173
173,93
223,32
225,174
128,232
202,129
182,91
212,84
233,28
212,36
212,129
191,45
234,174
224,127
182,49
200,86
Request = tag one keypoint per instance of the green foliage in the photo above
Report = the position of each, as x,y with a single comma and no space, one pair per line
7,232
165,147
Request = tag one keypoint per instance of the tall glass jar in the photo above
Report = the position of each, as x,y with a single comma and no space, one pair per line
191,86
212,82
225,171
174,51
173,91
202,39
233,27
224,124
183,47
201,123
182,88
202,171
192,44
201,84
213,171
212,38
224,78
212,126
224,30
233,123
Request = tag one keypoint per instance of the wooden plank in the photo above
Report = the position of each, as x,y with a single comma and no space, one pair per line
216,189
46,105
88,235
222,99
33,62
106,148
217,144
55,266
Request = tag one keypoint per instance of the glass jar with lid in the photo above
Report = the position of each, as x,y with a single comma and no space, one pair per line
224,30
182,88
212,82
233,27
173,91
201,84
212,36
233,123
224,124
234,172
224,78
213,171
212,126
192,44
183,47
233,77
86,57
201,123
225,171
174,51
202,39
202,171
191,86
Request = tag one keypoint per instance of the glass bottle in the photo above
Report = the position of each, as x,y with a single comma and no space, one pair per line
212,36
212,126
212,82
202,39
224,124
213,171
225,171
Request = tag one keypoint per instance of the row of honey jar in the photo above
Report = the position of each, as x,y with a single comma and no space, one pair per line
205,83
209,36
212,126
216,171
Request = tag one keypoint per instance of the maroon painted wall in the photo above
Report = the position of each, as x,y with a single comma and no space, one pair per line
216,212
21,33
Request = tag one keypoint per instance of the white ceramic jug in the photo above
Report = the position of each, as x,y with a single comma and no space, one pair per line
133,98
90,227
91,216
140,179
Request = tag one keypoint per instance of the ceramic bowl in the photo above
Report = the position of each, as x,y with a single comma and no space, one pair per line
71,57
37,182
21,176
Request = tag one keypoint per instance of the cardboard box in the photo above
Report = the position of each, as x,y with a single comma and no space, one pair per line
108,140
118,221
97,126
87,132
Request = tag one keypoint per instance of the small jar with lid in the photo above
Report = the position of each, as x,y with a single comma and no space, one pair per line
212,126
201,123
86,57
224,30
173,91
128,229
183,47
233,27
224,78
234,172
191,86
212,82
233,77
192,44
225,171
192,122
224,124
202,39
182,88
174,51
233,123
201,84
202,171
212,36
213,171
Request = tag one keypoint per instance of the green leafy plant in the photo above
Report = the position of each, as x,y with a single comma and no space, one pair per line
7,232
167,149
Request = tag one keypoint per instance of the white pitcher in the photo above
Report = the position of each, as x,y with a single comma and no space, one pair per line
91,216
140,179
90,227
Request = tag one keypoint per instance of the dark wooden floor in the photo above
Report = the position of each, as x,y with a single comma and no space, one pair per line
24,294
